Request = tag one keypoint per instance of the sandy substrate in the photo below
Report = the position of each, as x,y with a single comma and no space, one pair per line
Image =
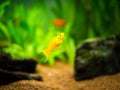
60,77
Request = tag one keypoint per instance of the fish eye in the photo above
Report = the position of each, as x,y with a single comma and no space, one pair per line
60,34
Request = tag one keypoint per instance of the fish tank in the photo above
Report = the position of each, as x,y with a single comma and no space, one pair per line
59,44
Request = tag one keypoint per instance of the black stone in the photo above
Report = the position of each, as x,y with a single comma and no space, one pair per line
12,70
96,58
7,77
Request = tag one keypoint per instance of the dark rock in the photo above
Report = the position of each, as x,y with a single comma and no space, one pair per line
7,77
12,70
99,57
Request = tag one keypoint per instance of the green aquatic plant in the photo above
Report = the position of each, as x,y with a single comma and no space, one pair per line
29,33
4,33
43,55
26,29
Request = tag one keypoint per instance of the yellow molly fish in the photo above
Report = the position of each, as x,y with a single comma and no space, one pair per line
53,44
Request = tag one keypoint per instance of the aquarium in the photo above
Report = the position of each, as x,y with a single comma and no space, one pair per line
59,44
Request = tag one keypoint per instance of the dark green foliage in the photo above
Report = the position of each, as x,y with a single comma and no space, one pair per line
96,18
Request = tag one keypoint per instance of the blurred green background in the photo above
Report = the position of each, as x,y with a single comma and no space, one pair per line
27,26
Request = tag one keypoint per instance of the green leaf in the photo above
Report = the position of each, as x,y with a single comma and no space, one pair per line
2,7
5,31
14,33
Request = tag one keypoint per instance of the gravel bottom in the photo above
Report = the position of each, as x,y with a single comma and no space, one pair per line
60,77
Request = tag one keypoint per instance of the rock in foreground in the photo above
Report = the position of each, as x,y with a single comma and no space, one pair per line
96,58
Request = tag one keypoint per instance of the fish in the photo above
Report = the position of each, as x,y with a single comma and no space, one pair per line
53,44
59,22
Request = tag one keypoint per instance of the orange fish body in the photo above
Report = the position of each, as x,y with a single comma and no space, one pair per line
59,22
53,44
